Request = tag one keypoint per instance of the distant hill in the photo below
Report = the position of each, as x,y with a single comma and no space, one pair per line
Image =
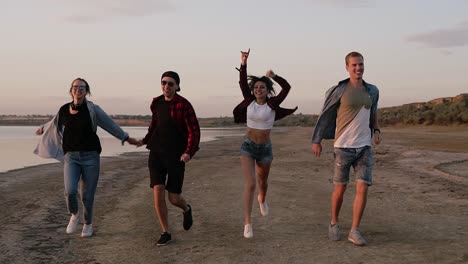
24,120
139,120
440,111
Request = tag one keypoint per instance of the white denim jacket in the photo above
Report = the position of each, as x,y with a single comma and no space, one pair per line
50,144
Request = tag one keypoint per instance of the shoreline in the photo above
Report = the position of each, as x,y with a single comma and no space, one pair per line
22,156
407,199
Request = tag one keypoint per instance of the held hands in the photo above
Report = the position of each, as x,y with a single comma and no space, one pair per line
139,143
244,56
317,149
270,74
132,141
185,157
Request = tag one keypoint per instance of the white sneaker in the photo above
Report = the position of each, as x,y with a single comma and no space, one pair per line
72,225
248,232
264,209
87,230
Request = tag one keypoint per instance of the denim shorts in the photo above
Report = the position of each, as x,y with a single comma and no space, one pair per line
261,153
359,158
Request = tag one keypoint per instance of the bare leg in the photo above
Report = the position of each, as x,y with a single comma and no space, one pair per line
160,206
359,203
177,200
263,170
337,201
248,169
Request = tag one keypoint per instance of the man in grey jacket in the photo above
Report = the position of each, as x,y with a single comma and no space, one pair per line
349,116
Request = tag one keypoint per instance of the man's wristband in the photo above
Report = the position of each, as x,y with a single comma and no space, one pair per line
376,130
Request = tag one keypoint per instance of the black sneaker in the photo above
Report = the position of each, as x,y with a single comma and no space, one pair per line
188,221
164,239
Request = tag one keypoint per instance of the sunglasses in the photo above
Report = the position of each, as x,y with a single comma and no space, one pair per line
80,87
170,84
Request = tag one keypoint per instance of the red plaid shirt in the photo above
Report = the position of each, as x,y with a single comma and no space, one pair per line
184,118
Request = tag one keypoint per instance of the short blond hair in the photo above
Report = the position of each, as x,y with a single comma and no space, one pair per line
352,54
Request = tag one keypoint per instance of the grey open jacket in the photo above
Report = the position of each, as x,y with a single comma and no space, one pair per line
326,122
50,144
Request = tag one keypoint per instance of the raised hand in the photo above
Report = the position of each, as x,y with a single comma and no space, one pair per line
244,56
270,74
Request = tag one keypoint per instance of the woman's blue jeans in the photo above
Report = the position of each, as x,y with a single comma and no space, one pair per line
82,165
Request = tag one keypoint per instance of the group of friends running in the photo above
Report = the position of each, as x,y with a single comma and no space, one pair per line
349,116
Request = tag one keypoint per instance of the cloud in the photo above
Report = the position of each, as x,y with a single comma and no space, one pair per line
90,11
443,38
446,52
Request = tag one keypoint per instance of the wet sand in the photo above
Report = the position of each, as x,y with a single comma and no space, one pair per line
417,209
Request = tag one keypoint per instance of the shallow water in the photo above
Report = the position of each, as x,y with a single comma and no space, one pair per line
18,142
459,168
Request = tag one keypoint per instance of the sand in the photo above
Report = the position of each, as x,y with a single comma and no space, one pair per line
417,210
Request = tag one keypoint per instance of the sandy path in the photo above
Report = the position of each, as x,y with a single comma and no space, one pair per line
415,214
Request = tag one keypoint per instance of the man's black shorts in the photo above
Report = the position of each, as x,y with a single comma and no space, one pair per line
160,166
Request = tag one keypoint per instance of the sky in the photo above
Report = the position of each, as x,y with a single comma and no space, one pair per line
414,50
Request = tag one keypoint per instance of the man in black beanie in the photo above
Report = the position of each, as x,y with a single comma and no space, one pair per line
173,138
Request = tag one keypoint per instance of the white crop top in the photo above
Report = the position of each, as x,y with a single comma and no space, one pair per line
260,116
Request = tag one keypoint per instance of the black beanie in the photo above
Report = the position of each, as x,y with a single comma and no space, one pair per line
174,76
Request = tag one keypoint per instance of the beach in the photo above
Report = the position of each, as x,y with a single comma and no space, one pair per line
417,208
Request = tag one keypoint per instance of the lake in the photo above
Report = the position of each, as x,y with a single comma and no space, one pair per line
18,142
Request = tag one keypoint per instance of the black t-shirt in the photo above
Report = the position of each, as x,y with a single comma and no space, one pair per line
78,134
166,138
